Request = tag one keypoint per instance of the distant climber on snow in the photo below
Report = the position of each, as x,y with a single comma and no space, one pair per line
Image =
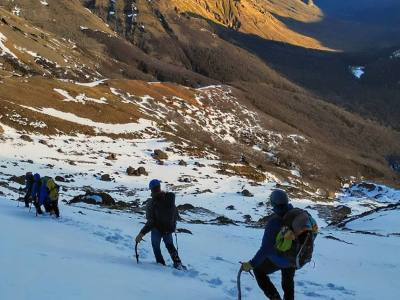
36,193
28,188
45,192
287,246
49,192
161,215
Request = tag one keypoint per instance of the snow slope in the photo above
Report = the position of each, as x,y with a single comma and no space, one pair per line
90,256
88,253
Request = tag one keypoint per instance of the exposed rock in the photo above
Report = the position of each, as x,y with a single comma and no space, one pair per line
94,198
182,163
185,179
159,155
222,220
59,179
112,156
246,193
105,177
199,165
136,172
26,138
247,218
368,186
185,207
18,179
43,142
230,207
333,214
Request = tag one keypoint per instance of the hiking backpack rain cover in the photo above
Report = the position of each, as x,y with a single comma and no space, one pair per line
295,240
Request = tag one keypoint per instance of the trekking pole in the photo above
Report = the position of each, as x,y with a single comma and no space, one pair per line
137,253
176,241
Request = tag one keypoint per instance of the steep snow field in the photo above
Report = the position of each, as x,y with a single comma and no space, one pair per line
90,256
89,252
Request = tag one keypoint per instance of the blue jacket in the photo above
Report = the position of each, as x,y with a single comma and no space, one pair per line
36,187
267,250
43,194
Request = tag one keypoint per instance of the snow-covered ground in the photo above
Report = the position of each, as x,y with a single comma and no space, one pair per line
89,252
357,71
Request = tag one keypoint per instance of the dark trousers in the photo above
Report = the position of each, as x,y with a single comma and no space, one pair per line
52,207
27,200
156,237
37,206
264,282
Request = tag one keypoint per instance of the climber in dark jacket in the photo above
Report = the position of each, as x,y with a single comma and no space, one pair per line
267,260
36,193
161,215
28,188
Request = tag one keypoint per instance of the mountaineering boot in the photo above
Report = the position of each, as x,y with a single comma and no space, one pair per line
179,266
161,262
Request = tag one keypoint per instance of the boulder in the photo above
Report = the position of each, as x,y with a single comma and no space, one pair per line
112,156
105,177
26,138
199,164
182,163
246,193
159,155
59,179
136,172
94,198
230,207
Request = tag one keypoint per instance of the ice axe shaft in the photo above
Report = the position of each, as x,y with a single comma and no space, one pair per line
239,287
136,252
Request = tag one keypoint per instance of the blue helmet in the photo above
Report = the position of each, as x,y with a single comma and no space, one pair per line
36,177
155,183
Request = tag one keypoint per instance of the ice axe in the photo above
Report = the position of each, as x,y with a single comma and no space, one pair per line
239,286
136,252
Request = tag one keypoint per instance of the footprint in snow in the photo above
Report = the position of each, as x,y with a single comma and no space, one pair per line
215,282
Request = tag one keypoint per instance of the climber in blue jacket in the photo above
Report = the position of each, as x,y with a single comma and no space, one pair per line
267,259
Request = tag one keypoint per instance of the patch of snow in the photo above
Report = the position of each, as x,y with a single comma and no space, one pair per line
92,84
16,11
4,50
395,54
357,71
99,127
81,98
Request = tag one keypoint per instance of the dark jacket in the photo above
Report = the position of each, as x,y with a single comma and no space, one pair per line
28,187
268,250
161,213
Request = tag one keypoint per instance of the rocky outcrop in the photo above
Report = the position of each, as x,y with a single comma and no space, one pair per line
98,198
136,172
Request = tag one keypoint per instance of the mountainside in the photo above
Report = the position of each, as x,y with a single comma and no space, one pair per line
224,102
91,246
71,65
